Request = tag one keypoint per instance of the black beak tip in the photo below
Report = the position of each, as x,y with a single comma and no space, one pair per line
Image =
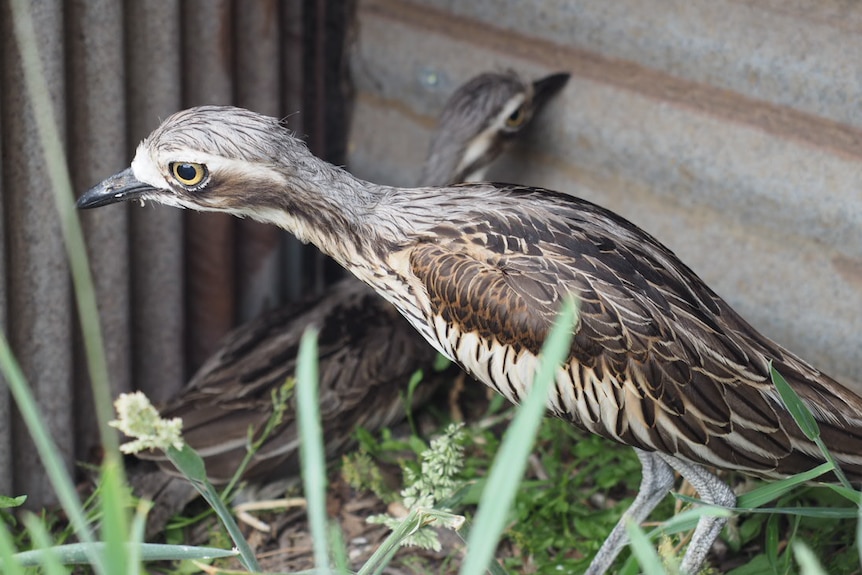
550,85
119,187
90,199
97,196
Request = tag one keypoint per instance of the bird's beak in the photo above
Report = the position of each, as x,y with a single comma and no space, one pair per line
119,187
546,87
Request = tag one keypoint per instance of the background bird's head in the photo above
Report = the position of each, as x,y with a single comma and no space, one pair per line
206,158
479,120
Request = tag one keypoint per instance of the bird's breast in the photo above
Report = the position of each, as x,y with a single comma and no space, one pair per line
587,398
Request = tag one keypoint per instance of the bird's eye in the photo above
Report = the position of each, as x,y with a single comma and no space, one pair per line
516,118
188,173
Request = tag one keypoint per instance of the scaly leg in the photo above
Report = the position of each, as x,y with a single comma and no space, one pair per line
657,480
711,490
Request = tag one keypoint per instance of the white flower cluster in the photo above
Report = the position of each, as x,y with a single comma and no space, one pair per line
137,418
436,482
441,463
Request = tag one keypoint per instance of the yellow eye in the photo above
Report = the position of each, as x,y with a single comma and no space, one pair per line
188,173
516,118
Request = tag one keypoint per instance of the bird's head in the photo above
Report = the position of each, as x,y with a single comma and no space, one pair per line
206,158
480,119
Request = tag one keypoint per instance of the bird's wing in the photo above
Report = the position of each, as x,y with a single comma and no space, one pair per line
647,326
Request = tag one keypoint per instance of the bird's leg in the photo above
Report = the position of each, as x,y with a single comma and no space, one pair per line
657,480
711,490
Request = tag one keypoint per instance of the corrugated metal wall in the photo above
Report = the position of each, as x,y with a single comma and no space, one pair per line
39,317
169,283
728,129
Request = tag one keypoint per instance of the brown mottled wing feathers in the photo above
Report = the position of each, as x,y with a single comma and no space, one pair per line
478,297
701,371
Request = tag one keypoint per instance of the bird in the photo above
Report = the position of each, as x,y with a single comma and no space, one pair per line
367,351
480,120
658,361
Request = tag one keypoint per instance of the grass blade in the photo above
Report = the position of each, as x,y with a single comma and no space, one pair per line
771,547
850,494
808,563
311,446
114,502
495,567
859,533
805,420
775,489
339,550
820,512
61,184
801,414
79,553
49,559
59,476
688,519
806,511
509,464
414,382
7,552
384,552
136,536
191,465
644,552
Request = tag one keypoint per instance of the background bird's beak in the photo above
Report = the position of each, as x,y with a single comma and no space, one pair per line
546,87
121,186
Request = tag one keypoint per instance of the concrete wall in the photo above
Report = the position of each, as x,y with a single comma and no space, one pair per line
729,130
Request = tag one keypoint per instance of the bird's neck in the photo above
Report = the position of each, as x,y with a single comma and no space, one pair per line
330,208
